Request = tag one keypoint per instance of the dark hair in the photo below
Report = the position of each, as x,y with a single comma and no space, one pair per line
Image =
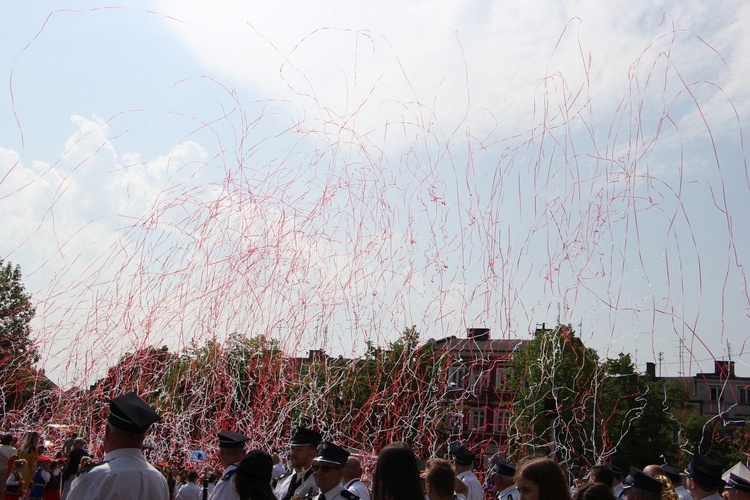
547,475
192,476
595,491
603,474
6,439
253,477
441,477
396,474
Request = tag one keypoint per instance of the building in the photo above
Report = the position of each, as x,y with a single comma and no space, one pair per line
722,392
477,388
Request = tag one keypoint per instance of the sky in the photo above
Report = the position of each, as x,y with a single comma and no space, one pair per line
328,173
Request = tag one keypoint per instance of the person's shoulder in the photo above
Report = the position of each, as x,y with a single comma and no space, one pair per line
348,495
98,467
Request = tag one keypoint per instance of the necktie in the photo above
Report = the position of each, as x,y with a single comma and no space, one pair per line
293,485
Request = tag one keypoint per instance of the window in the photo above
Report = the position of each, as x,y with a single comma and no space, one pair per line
715,391
456,375
743,395
501,378
477,380
502,421
477,418
678,435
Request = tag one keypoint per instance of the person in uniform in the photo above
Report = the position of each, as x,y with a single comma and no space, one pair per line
328,471
300,481
231,451
463,461
737,487
125,473
352,481
617,485
704,478
641,486
501,476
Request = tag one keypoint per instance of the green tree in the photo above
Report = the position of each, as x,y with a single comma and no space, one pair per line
18,354
552,382
722,440
636,419
568,402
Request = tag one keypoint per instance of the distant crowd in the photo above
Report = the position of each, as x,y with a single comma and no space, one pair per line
314,469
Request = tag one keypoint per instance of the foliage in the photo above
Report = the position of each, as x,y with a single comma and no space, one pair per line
597,412
724,441
389,394
18,354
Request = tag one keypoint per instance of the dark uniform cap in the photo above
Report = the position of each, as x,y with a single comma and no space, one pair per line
231,439
130,413
332,454
256,465
705,471
461,455
641,481
304,436
736,482
673,473
617,472
503,467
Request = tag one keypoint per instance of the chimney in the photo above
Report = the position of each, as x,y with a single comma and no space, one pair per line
316,355
724,368
478,333
651,369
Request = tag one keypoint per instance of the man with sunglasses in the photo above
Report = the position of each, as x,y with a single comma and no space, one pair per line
328,470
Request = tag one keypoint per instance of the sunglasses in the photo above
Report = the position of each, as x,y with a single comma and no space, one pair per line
325,469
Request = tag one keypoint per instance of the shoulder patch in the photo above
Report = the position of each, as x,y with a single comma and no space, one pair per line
349,495
91,467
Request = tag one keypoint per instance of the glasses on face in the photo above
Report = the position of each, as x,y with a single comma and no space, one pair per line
325,469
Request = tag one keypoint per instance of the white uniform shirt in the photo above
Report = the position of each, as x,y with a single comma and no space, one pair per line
125,474
620,493
358,488
224,489
509,493
476,492
189,491
683,493
340,493
307,486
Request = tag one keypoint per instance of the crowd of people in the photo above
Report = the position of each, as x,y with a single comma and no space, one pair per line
320,470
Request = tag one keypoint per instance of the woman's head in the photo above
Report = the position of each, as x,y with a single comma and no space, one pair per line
20,464
31,441
396,474
253,476
541,479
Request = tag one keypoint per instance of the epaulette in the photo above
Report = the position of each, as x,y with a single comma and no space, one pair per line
228,475
284,476
349,495
91,467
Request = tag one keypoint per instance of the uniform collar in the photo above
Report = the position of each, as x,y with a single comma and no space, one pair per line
334,491
124,452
